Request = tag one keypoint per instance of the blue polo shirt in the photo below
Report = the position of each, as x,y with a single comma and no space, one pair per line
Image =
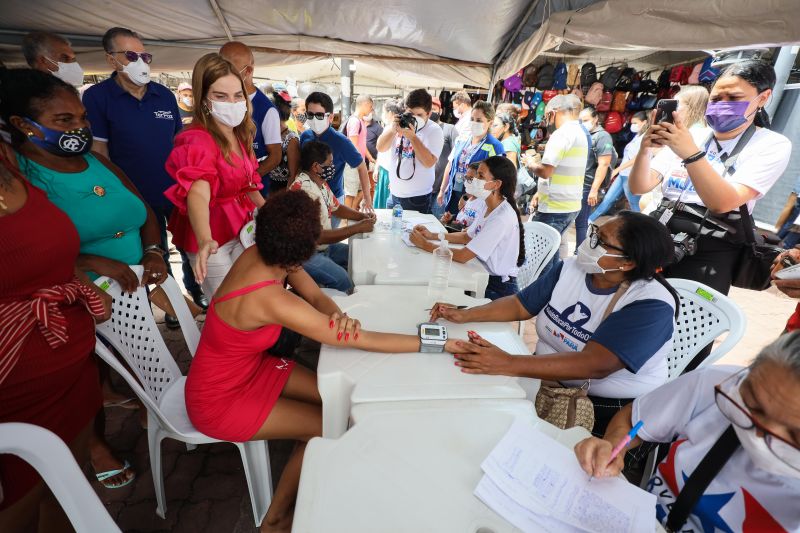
139,133
343,153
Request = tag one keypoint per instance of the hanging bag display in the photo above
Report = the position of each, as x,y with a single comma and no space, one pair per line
545,77
594,94
588,75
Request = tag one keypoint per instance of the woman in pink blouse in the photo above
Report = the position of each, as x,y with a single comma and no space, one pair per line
215,170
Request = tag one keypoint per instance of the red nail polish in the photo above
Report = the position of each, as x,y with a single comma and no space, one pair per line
331,325
355,338
346,337
339,336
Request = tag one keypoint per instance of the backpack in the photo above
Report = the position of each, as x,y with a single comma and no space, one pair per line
529,76
605,102
625,82
549,95
707,72
545,77
560,76
647,101
594,94
540,112
614,122
663,79
636,83
610,78
648,85
514,83
574,75
679,74
619,101
694,77
588,75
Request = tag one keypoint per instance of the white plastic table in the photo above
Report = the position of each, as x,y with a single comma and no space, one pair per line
349,376
381,258
410,470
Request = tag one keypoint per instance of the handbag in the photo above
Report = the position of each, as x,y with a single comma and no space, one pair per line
755,262
567,407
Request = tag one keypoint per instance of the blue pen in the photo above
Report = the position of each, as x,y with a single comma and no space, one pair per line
623,443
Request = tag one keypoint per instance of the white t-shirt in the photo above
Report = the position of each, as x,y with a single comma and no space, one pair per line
416,179
271,127
495,240
760,164
463,125
327,200
741,498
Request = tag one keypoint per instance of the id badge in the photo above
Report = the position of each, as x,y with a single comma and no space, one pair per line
666,216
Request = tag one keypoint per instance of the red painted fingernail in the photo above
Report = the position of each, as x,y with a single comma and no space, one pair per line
339,336
355,338
331,325
346,337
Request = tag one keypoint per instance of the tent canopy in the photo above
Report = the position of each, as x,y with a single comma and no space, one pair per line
410,43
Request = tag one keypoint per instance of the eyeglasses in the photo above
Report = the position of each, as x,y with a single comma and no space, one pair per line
318,116
740,416
595,240
134,56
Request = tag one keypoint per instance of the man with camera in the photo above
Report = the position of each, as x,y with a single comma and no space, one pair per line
414,143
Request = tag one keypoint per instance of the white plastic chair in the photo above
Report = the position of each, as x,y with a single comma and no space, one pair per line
48,454
541,244
704,315
158,382
247,235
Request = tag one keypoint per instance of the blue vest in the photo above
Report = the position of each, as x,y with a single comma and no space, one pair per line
261,104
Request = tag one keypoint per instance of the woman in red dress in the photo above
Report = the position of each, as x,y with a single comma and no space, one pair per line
48,376
236,390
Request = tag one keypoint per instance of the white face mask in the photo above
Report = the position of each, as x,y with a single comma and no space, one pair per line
636,128
71,73
420,122
478,190
318,125
757,448
187,101
588,258
477,128
229,113
368,118
588,125
457,112
138,72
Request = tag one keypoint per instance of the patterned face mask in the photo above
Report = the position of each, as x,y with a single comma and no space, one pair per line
328,172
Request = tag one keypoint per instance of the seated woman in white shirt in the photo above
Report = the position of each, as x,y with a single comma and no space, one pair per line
622,355
496,236
755,409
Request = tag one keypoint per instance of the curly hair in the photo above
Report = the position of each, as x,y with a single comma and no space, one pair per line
288,227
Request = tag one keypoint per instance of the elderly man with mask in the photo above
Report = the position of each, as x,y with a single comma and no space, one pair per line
133,121
185,101
53,54
267,142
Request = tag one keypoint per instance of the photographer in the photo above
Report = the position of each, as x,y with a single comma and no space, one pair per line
414,143
701,199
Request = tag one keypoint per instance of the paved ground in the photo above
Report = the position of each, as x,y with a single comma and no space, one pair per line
206,489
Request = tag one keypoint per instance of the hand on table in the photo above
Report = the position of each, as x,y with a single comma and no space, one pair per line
155,269
425,232
593,455
418,239
446,218
366,206
345,326
365,225
449,312
480,356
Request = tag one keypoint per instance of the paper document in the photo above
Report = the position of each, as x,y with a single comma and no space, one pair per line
411,222
544,477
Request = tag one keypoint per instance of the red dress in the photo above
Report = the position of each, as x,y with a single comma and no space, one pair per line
196,156
233,382
58,389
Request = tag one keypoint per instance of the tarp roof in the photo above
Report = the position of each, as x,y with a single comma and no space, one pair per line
409,42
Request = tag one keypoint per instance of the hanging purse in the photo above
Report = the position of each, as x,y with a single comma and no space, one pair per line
755,262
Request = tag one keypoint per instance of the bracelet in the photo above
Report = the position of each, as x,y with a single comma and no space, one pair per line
153,248
694,158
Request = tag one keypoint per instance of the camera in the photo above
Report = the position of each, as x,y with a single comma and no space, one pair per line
408,120
684,245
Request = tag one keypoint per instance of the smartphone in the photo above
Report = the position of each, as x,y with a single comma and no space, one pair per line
792,272
664,110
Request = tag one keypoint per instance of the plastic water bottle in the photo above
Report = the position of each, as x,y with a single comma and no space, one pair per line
397,219
442,259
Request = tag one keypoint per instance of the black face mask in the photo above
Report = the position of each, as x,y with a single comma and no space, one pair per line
327,172
435,117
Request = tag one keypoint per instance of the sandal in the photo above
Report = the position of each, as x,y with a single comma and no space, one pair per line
102,476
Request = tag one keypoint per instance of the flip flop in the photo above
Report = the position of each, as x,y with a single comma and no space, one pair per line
128,403
102,476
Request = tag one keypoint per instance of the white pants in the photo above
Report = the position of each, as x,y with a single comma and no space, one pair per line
218,265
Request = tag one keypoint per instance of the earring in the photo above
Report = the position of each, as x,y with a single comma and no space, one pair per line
29,134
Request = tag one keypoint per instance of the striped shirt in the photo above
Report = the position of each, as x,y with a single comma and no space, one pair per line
567,150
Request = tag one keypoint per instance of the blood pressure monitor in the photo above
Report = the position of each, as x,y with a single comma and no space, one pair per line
432,337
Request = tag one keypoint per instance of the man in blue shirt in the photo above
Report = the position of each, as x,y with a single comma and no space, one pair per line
134,122
319,110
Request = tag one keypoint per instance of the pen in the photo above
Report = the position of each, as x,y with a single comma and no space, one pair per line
623,443
452,307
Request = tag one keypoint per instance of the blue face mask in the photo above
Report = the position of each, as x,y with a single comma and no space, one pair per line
62,143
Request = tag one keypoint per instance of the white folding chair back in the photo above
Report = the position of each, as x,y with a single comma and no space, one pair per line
247,235
158,382
705,314
541,244
47,453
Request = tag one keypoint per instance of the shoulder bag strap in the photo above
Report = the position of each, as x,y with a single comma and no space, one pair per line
623,288
747,222
701,478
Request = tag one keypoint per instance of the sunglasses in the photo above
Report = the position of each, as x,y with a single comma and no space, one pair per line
318,116
134,56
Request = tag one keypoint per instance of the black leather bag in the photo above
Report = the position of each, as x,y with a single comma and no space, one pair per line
755,262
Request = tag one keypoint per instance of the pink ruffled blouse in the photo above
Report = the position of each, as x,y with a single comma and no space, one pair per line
196,156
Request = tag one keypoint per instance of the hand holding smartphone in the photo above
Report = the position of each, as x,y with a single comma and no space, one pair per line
664,110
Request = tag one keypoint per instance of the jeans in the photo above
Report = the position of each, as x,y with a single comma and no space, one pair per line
783,231
582,220
620,184
219,264
162,215
412,203
496,288
560,222
328,268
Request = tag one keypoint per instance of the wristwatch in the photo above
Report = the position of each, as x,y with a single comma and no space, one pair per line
432,337
153,248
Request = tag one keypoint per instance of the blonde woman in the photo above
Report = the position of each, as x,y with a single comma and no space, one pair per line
215,169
